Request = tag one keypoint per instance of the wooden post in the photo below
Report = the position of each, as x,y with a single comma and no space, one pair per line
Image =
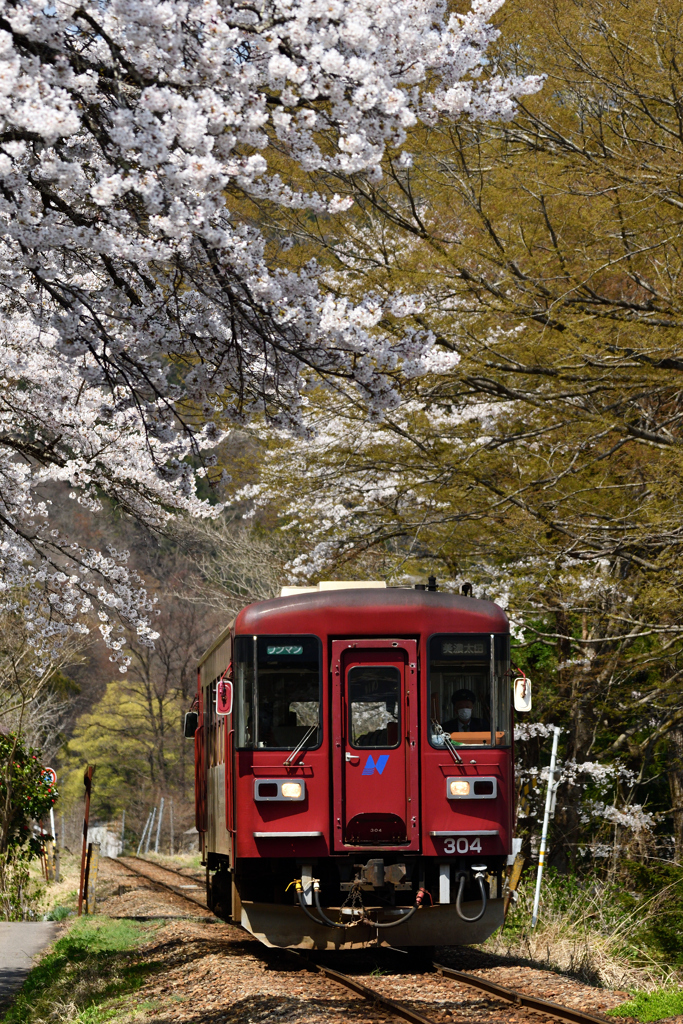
93,861
512,884
87,782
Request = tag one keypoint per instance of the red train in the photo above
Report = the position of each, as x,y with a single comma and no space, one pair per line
354,767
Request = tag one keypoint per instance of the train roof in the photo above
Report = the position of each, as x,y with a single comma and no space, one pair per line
371,612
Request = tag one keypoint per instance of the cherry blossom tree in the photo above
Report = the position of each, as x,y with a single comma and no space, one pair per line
143,308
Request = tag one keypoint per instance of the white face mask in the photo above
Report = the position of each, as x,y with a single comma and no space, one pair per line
464,714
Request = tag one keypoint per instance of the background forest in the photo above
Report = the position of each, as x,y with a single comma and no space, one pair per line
536,454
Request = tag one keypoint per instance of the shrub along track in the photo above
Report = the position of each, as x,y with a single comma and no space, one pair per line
437,995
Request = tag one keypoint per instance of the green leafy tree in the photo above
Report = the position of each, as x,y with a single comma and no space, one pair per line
26,794
541,458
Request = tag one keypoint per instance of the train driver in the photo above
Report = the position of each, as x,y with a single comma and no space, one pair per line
464,721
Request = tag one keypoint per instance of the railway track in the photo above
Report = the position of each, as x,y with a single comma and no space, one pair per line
394,1008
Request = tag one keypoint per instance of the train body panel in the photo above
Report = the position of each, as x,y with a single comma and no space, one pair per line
349,768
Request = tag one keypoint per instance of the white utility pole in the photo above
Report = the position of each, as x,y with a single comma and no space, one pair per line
172,836
549,805
161,811
144,832
151,826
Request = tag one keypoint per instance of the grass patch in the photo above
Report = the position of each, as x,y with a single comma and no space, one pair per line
647,1006
85,975
58,913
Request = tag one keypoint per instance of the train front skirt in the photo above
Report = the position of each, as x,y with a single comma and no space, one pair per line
278,925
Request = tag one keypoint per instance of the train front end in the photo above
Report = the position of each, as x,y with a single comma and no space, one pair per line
360,789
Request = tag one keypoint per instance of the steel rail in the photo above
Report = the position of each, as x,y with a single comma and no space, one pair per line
155,881
397,1009
508,995
564,1013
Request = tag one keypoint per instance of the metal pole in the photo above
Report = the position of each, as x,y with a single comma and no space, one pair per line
161,811
171,822
144,833
87,782
149,834
546,819
53,847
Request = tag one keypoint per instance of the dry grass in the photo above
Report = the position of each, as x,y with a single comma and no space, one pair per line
586,932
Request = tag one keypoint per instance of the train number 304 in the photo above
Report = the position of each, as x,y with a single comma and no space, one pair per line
462,845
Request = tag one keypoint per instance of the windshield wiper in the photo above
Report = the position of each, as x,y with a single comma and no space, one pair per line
448,742
302,743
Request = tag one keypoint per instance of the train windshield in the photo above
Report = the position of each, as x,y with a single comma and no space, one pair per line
277,700
469,690
374,706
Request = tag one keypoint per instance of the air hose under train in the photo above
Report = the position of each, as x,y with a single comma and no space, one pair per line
479,871
363,919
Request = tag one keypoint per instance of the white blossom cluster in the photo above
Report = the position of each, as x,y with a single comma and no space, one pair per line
530,730
582,774
140,303
633,817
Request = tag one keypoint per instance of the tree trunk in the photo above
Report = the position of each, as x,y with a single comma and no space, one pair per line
675,769
576,687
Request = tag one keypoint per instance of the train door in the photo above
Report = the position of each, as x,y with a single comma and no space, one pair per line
375,702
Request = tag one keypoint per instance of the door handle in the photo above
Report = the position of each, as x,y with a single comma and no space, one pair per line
354,758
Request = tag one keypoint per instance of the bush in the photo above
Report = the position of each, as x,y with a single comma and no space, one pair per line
26,794
660,887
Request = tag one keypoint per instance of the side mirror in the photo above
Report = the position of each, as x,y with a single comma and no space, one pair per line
521,688
223,697
190,726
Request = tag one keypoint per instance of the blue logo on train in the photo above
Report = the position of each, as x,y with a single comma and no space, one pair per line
372,766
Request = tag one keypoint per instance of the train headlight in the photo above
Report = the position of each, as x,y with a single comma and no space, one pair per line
473,788
460,787
292,790
279,789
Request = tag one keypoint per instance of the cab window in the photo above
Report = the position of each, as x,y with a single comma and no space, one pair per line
277,692
469,695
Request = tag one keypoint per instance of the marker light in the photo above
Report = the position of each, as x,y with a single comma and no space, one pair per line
460,787
291,790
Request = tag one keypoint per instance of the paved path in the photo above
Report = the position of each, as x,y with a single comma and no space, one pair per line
20,941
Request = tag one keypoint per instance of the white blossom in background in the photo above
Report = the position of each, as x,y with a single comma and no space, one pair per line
139,305
600,777
529,730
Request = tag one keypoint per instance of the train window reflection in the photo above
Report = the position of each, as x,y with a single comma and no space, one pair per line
374,706
278,692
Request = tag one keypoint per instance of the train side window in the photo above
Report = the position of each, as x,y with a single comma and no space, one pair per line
374,706
277,699
243,705
503,682
464,691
